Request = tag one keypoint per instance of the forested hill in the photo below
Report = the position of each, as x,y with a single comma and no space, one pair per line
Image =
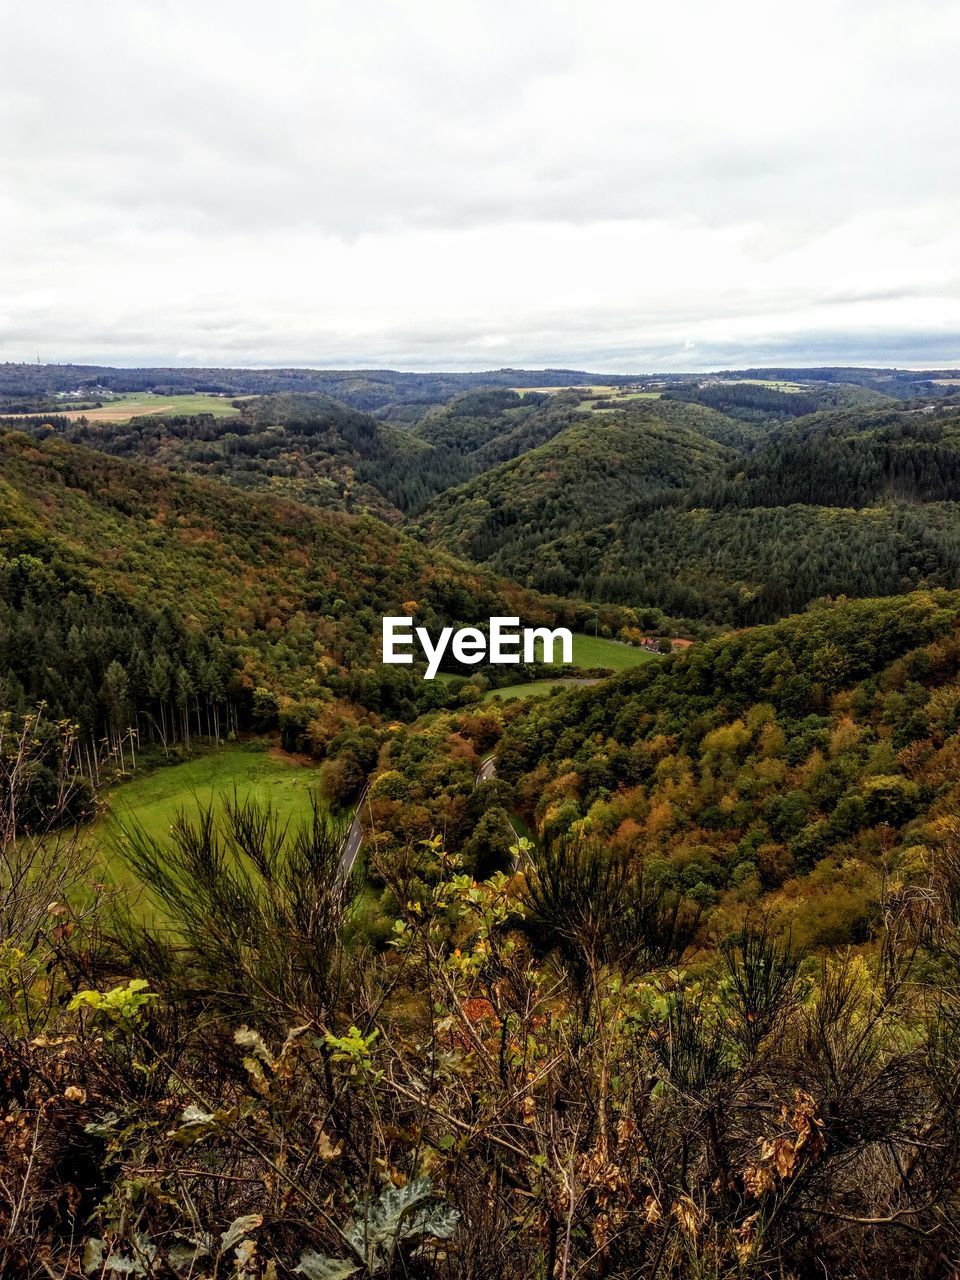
591,474
609,494
805,765
101,559
856,502
759,402
372,390
316,450
850,459
488,427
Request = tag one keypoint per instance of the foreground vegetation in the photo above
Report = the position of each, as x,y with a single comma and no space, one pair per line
540,1075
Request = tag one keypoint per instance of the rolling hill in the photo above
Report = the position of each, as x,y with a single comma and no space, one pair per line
636,509
590,474
103,559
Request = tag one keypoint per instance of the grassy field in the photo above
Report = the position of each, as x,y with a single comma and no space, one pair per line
122,408
588,651
533,688
792,387
594,651
551,391
617,399
153,799
596,393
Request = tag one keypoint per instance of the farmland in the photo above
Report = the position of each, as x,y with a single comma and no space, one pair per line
140,403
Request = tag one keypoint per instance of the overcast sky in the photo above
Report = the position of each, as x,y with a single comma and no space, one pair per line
612,185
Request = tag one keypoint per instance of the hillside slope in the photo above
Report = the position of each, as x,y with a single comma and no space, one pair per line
308,448
857,502
804,765
294,591
316,450
590,474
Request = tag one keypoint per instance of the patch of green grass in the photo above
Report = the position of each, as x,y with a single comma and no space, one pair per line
588,651
791,388
533,688
618,398
140,403
153,799
595,651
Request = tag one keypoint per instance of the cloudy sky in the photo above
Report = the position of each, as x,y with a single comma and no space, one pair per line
617,185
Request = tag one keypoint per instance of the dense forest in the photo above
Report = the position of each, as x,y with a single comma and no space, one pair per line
313,449
108,665
852,502
295,596
798,764
582,479
756,402
850,459
132,597
650,503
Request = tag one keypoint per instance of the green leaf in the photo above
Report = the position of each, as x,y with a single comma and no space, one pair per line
92,1260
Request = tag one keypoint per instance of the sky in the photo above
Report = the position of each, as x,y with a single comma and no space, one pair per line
615,186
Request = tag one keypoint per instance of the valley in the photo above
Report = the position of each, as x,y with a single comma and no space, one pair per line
479,641
732,815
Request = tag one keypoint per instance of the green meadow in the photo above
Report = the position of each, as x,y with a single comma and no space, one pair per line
588,651
533,688
155,798
595,651
141,403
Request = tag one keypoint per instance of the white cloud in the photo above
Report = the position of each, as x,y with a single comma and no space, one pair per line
610,186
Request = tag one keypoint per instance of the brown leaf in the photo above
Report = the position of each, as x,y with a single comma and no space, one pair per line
326,1148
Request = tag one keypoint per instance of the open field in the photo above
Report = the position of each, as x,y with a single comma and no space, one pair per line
122,408
791,387
551,391
588,651
534,688
156,797
595,393
618,396
595,651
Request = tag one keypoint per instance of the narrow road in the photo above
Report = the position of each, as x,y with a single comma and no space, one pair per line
487,770
354,837
486,773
